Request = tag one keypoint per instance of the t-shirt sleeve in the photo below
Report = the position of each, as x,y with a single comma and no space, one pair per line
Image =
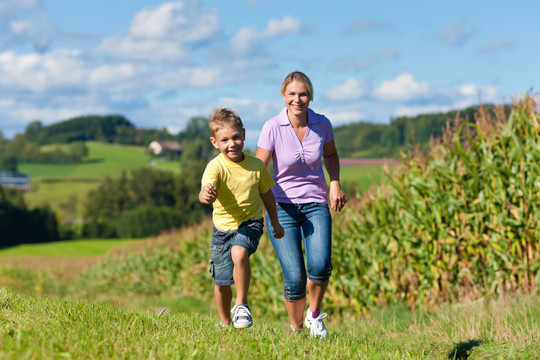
267,137
211,175
328,131
266,182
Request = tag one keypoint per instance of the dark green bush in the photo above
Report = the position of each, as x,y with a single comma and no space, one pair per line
147,221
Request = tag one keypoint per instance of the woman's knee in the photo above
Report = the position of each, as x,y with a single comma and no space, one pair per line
320,271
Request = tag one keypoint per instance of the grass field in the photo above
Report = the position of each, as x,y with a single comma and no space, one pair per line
363,176
40,318
71,248
46,328
65,186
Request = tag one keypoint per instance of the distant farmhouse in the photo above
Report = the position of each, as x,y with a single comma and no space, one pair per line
163,148
11,179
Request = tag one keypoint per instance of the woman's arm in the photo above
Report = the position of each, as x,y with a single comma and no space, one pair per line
331,163
264,155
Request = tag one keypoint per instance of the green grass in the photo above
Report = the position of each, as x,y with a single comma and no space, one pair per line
62,185
173,166
363,176
72,248
103,160
47,328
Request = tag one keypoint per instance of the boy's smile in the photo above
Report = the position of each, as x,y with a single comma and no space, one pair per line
230,142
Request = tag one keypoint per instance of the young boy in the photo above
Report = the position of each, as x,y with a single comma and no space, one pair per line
235,183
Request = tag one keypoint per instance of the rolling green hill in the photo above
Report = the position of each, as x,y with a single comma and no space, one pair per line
65,186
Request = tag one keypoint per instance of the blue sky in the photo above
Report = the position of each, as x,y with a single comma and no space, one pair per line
161,63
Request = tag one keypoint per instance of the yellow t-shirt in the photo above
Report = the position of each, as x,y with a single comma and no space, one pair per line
239,187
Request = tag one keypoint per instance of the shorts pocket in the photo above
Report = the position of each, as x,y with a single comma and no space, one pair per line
217,254
212,269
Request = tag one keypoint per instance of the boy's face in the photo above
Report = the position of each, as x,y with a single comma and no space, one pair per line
230,142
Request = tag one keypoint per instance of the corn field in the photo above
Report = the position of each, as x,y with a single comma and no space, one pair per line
459,221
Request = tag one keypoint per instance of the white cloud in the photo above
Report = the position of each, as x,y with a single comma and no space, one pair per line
363,26
9,7
195,77
365,62
41,72
338,117
153,50
247,37
350,89
497,45
456,34
164,33
21,27
111,74
185,22
479,92
403,88
277,27
417,110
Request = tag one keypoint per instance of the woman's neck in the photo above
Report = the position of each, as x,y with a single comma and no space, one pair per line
298,121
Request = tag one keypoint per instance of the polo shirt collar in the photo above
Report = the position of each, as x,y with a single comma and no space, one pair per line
284,120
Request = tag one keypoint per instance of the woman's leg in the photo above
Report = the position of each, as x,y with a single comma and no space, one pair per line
291,258
316,294
295,310
317,231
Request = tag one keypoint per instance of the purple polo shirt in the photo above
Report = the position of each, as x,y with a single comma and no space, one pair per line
298,171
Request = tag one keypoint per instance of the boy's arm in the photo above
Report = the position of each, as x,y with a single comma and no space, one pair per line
270,204
208,194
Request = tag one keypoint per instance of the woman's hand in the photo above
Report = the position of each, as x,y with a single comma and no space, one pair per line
337,198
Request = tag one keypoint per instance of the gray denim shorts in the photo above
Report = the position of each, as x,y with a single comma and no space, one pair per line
247,236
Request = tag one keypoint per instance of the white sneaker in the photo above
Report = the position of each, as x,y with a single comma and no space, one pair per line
241,316
316,326
295,330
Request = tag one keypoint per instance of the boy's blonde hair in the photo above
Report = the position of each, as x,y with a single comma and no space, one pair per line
223,117
301,77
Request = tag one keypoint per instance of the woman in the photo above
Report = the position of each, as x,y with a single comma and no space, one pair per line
295,140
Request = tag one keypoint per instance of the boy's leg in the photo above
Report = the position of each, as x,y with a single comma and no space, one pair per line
241,273
223,296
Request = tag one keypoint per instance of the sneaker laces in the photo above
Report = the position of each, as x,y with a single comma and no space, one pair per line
239,311
319,321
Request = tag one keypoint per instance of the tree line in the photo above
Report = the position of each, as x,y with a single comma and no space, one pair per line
368,140
108,128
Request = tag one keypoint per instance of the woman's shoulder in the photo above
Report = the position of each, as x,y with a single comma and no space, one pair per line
318,117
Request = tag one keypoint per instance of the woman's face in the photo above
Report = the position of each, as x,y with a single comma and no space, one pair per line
296,97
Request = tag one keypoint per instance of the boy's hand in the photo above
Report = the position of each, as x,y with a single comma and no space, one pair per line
208,193
278,230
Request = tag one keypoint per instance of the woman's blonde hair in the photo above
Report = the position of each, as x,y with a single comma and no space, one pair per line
223,117
298,76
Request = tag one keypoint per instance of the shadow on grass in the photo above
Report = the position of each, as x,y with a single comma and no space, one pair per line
462,350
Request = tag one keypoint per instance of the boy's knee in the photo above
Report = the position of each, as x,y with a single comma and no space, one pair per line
239,254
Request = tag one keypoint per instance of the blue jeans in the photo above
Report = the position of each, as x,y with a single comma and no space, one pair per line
246,236
310,224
